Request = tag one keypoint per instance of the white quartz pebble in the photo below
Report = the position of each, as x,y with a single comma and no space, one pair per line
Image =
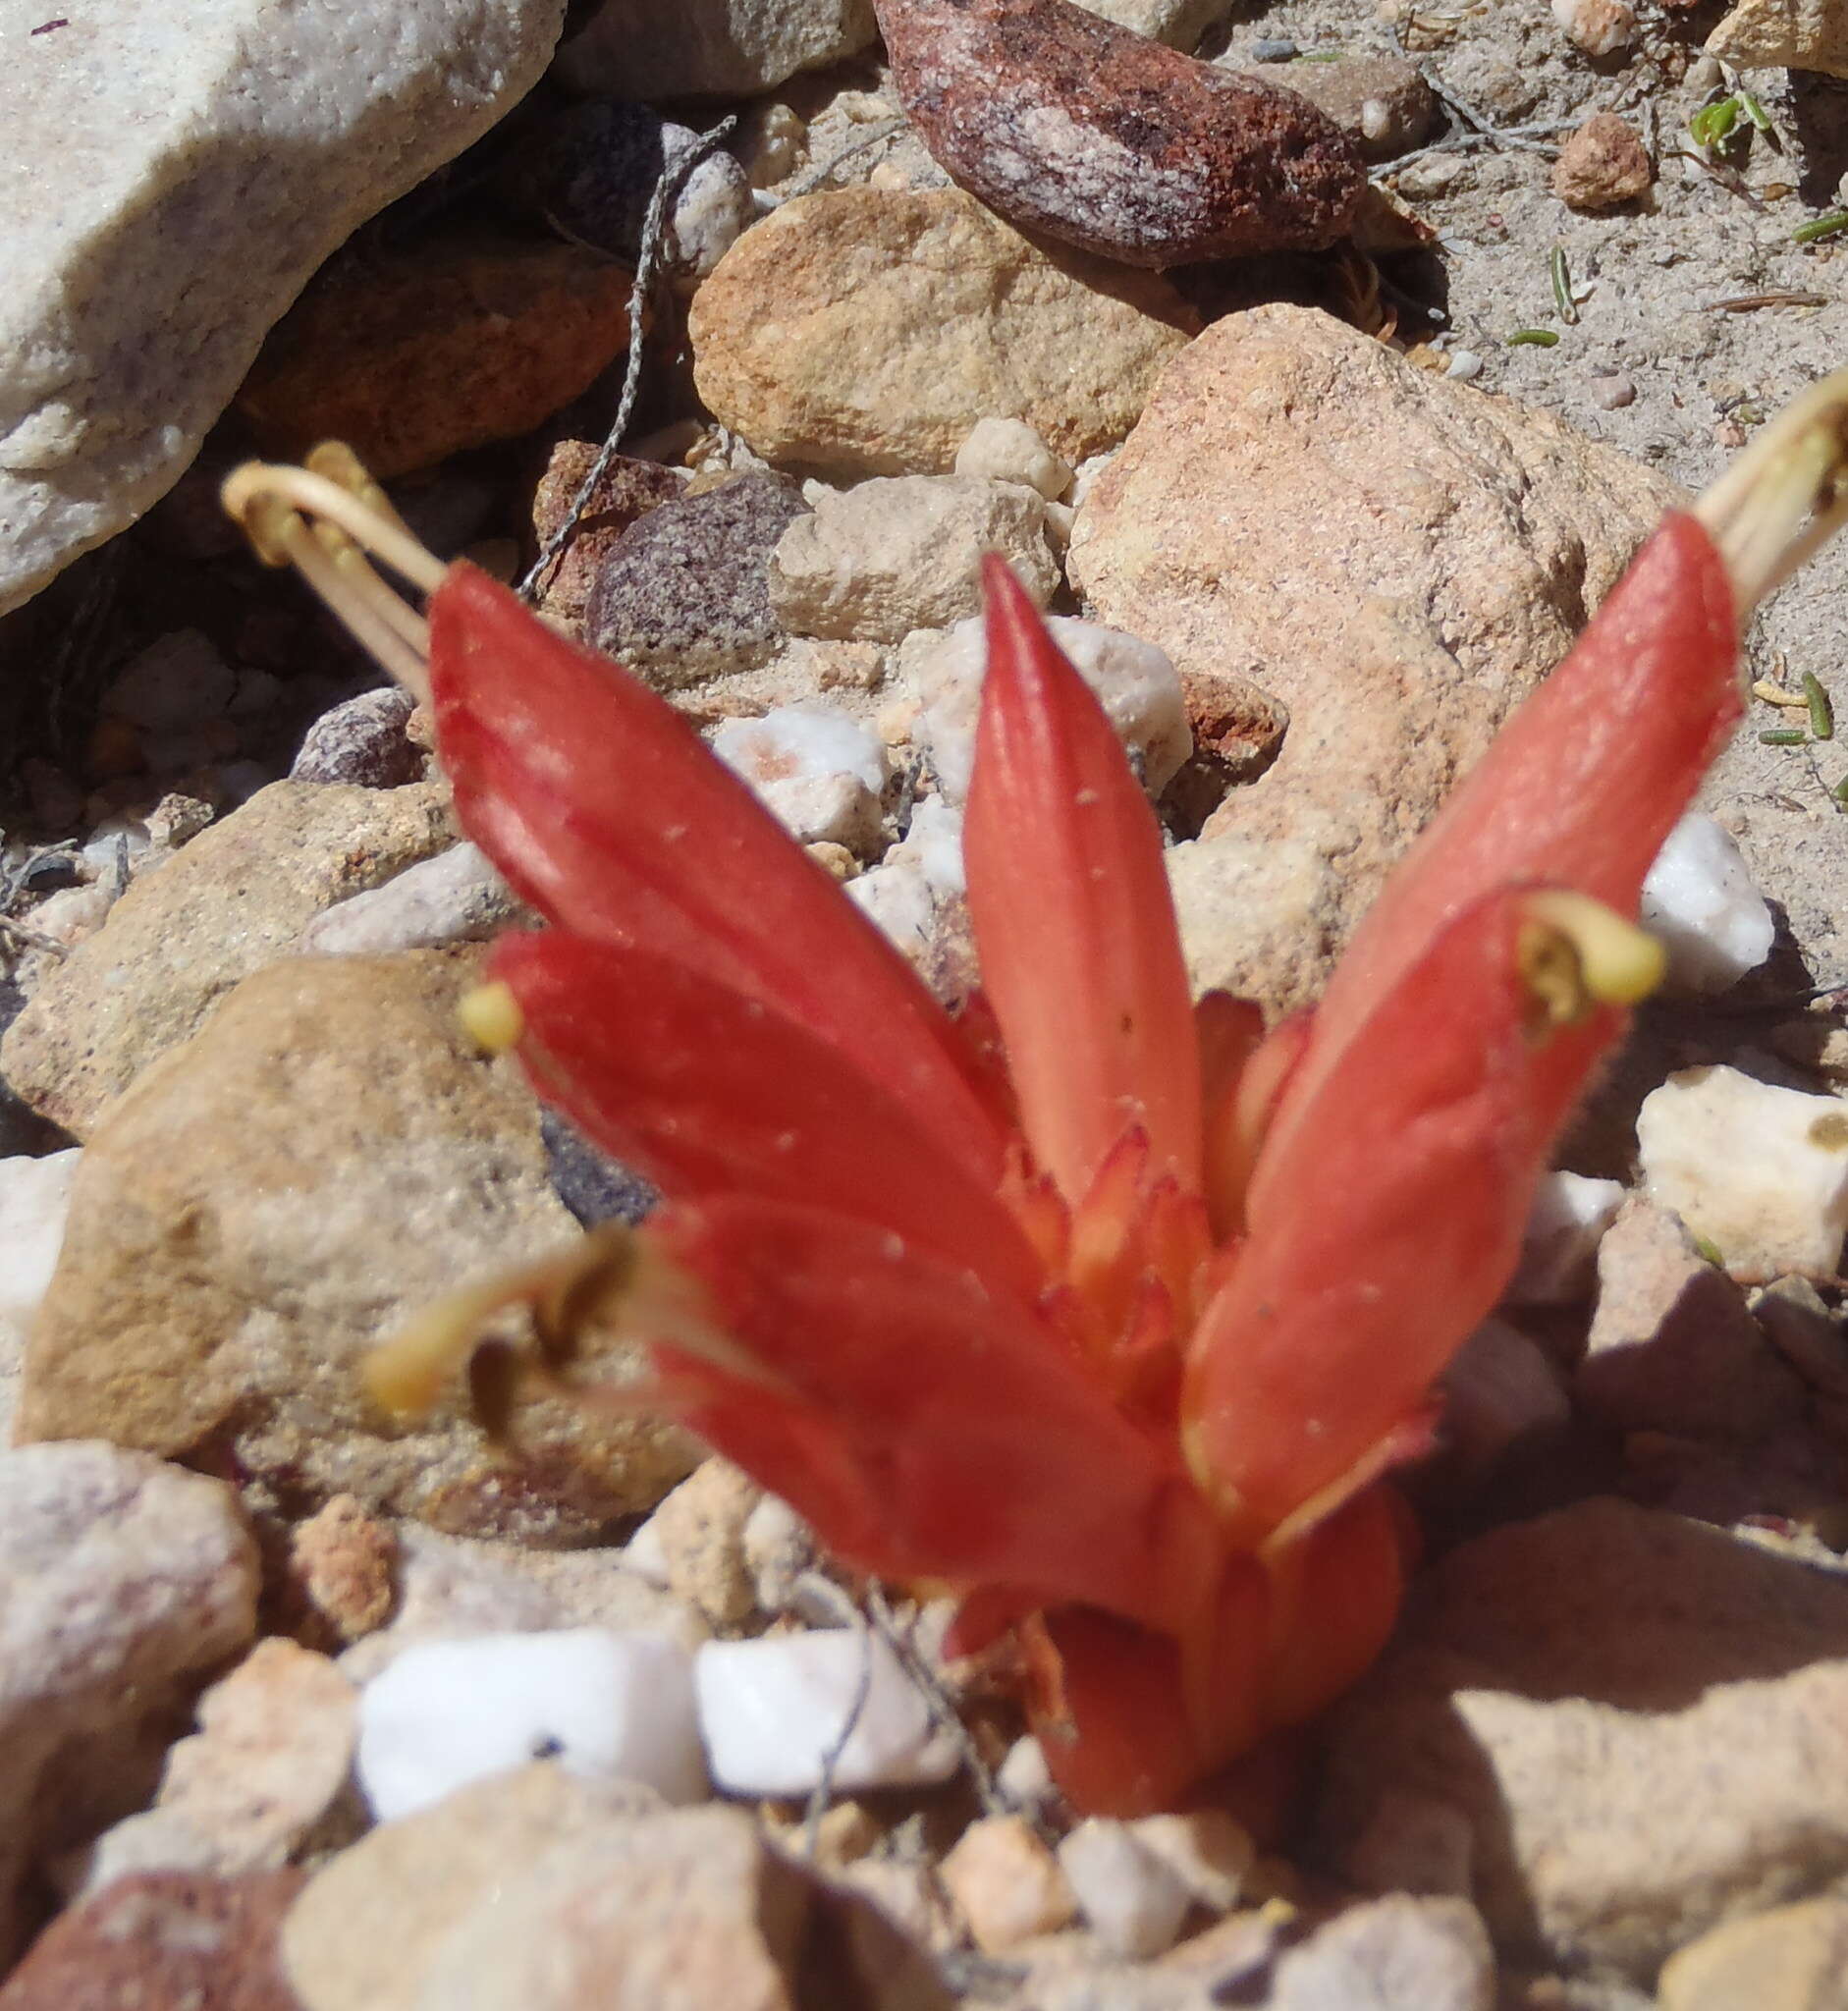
34,1198
896,898
1133,1902
1700,900
935,842
1209,1850
1135,681
1757,1171
1568,1217
817,768
607,1705
771,1711
1011,451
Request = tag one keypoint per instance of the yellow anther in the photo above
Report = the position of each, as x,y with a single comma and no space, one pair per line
1575,954
491,1017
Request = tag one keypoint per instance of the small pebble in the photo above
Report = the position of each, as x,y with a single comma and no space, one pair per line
773,1710
1613,394
1699,900
1008,1886
1758,1173
34,1198
362,740
816,768
458,896
1274,49
606,1706
1011,451
1602,163
1498,1387
1601,28
1135,680
1464,363
1569,1215
1131,1900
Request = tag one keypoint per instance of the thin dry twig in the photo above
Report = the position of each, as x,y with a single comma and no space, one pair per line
822,1795
653,236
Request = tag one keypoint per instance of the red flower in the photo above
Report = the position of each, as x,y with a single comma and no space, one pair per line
1105,1312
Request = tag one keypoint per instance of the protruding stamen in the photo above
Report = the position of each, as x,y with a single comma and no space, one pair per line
1786,496
1577,953
491,1017
274,505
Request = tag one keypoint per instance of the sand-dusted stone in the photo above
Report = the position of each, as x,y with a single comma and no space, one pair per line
123,1583
161,1941
234,900
1783,34
1067,124
1383,103
732,48
171,180
1395,557
1602,164
326,1156
465,341
1643,1720
863,332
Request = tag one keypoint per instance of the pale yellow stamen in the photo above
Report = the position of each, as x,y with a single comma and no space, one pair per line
324,519
491,1017
1786,496
1575,954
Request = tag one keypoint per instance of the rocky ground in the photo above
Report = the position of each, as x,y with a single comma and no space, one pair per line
305,1714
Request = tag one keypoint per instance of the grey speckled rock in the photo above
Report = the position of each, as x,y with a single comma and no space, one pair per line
684,593
362,740
121,1583
171,179
458,896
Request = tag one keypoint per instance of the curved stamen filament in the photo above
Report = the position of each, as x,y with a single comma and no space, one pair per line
1786,496
324,519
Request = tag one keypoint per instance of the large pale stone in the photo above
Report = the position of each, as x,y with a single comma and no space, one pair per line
863,332
1642,1722
328,1155
641,49
236,897
121,1583
170,181
1397,558
1785,34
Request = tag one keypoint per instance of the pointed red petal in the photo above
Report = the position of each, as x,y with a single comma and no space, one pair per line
604,809
1382,1224
1073,923
942,1432
1583,784
707,1092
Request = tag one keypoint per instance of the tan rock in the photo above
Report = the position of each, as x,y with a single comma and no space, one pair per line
1602,164
861,332
1643,1720
339,1567
700,1529
1006,1883
1396,558
886,558
247,1791
365,1928
1177,22
123,1583
1794,1958
1785,34
234,900
412,358
268,1201
684,1911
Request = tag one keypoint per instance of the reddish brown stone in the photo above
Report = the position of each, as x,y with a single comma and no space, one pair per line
163,1941
1603,163
1065,124
464,342
627,490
